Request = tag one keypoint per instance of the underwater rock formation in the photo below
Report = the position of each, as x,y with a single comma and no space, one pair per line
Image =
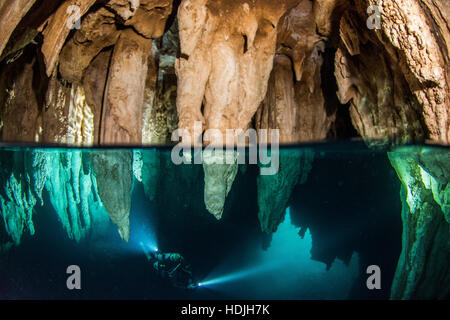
396,77
423,267
18,195
225,68
114,173
73,192
151,171
220,169
70,184
274,191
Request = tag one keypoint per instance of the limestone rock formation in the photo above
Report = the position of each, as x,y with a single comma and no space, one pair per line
220,169
225,68
14,11
160,118
274,191
226,65
66,177
21,108
151,170
18,197
113,170
423,267
294,105
124,95
97,32
59,27
407,99
73,192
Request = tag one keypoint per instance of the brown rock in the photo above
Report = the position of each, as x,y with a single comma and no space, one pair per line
94,83
59,28
297,108
97,32
396,77
124,96
11,12
150,18
21,110
226,65
125,9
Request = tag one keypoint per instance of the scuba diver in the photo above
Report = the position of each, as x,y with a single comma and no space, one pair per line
171,266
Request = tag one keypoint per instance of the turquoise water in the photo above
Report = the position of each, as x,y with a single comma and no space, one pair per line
338,210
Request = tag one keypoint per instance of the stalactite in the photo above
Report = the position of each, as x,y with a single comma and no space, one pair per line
423,267
24,177
274,191
59,27
124,95
113,170
220,169
73,192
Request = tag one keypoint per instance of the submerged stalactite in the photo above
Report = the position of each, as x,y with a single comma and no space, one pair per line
423,267
114,173
19,197
73,192
274,191
220,169
71,183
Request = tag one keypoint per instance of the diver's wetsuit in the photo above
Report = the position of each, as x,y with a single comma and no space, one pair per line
167,264
172,266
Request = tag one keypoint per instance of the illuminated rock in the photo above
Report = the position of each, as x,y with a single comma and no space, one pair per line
114,175
226,66
423,266
24,177
73,192
220,169
58,28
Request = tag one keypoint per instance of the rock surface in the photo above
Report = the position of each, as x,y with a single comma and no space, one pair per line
423,267
114,175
